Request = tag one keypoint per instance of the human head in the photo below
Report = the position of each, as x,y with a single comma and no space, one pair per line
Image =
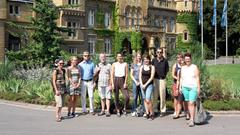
86,55
179,58
74,60
119,57
159,52
102,57
187,58
137,58
146,59
60,63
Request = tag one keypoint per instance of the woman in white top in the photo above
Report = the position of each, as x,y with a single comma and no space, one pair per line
119,76
190,85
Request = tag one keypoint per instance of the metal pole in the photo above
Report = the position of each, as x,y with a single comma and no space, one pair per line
215,40
202,29
226,39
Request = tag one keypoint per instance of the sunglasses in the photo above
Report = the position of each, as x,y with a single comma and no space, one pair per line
159,52
86,55
61,63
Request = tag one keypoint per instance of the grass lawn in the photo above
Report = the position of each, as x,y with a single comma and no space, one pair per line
227,72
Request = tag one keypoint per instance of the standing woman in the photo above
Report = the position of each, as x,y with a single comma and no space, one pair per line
135,68
119,77
178,97
146,75
190,85
59,85
74,77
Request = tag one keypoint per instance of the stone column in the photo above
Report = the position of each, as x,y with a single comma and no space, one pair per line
2,41
163,45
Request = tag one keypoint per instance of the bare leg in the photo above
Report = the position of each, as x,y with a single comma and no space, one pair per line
103,104
74,103
108,105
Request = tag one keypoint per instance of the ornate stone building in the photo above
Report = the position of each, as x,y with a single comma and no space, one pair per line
93,23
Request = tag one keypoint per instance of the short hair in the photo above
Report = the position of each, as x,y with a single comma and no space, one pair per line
104,54
188,55
180,54
160,48
120,53
147,56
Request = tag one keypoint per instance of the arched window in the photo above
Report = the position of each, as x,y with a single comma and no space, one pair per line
108,46
172,24
107,20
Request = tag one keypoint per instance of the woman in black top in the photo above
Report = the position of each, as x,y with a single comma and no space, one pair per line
146,76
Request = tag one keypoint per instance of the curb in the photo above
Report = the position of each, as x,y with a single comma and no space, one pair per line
52,108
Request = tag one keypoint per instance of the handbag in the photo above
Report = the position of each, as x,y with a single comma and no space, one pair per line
200,113
175,92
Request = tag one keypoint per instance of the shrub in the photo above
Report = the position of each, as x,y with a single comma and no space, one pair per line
6,70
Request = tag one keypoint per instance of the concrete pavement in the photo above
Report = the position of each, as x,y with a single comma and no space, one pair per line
27,119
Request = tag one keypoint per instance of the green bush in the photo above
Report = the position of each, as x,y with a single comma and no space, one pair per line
6,70
232,104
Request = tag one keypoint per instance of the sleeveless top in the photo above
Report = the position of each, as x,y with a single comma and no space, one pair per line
60,81
74,74
177,69
146,75
188,76
136,69
119,70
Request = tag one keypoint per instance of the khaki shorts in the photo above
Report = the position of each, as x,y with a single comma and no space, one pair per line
104,92
59,100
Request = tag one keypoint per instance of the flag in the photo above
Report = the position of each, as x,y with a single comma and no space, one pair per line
224,15
200,12
214,13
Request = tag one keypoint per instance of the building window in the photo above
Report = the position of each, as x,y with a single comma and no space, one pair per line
72,50
14,43
164,23
91,15
73,33
185,36
14,10
91,45
127,19
156,22
108,46
138,18
172,24
107,20
186,3
72,2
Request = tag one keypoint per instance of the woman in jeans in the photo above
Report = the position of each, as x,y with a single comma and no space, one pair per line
135,82
190,85
59,85
146,75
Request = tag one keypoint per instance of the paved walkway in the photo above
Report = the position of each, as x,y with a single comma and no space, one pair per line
27,119
222,60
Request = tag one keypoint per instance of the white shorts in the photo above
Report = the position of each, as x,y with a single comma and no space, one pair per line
104,92
59,100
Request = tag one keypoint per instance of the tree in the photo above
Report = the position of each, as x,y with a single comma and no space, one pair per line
45,35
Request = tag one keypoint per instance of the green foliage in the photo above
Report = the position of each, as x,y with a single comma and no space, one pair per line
44,46
6,70
136,39
232,104
238,52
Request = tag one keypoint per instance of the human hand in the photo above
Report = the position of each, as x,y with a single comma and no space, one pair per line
124,85
57,92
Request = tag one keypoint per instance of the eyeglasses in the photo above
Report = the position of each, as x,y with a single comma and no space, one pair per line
159,52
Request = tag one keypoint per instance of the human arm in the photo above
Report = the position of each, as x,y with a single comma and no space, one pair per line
140,76
57,92
112,75
126,76
152,76
132,77
173,72
197,74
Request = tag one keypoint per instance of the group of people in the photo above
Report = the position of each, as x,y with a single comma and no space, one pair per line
148,84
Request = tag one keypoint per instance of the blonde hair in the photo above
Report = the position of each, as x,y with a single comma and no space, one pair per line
74,58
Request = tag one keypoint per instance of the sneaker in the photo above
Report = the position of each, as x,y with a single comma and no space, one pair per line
162,114
134,114
73,114
176,117
69,114
108,114
124,112
146,116
191,123
92,113
118,114
151,117
101,113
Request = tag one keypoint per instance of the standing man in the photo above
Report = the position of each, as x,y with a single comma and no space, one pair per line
161,70
103,69
119,78
87,73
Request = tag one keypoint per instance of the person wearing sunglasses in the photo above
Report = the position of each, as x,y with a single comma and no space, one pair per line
162,67
59,85
87,72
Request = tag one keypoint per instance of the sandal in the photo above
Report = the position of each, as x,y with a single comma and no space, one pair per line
58,119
